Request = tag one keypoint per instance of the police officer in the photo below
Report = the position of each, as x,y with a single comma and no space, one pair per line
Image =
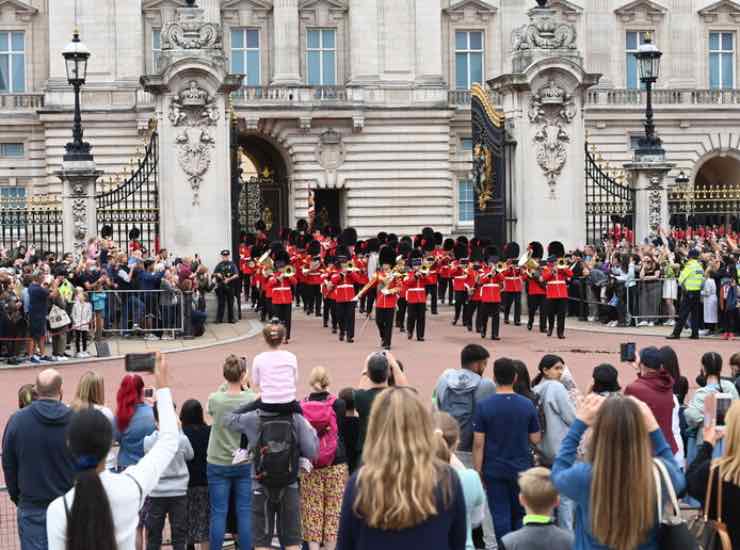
226,275
692,280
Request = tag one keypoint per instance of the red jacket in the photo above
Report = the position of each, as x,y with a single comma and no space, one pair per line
462,278
282,292
656,390
557,282
344,287
414,289
386,299
490,287
512,279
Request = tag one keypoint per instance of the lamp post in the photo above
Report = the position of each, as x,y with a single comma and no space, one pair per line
648,62
75,56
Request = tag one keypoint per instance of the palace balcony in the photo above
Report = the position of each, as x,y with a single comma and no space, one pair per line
663,97
21,102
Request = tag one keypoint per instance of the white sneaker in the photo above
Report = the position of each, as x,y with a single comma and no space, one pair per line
651,324
241,456
591,319
703,332
60,358
670,323
642,324
613,323
150,336
167,337
80,355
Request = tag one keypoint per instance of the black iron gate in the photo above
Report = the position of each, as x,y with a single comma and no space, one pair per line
493,212
34,222
705,205
132,208
609,202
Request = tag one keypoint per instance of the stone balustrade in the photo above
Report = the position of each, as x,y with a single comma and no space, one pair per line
661,96
295,94
21,102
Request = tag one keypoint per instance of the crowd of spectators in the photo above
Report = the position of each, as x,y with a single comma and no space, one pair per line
52,307
492,462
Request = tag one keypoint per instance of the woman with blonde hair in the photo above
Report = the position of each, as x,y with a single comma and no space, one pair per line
90,394
615,487
728,469
322,488
403,496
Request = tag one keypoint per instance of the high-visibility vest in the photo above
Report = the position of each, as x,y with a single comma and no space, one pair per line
692,276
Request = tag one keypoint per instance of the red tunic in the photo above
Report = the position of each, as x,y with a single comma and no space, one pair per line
462,278
282,291
513,279
490,287
386,299
557,282
344,287
414,289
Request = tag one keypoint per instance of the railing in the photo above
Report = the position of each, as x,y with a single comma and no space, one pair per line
12,102
35,224
627,97
461,98
149,313
292,94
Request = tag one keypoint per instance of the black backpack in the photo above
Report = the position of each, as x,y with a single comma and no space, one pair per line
276,452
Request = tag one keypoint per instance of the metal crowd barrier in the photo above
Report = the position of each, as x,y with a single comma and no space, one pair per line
156,312
645,301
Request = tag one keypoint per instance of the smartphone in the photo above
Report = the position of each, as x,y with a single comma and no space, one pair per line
148,393
140,362
723,400
628,352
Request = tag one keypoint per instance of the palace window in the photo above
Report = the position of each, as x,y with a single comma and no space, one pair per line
634,40
467,144
721,60
465,202
321,56
468,59
156,48
12,197
12,62
245,55
11,150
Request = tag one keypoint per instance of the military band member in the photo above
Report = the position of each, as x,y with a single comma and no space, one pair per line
428,245
444,286
462,280
225,274
404,250
344,283
416,299
489,281
373,266
386,284
329,293
557,274
282,282
471,309
512,284
312,279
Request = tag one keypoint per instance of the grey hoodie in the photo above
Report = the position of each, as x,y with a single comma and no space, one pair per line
462,381
559,415
174,480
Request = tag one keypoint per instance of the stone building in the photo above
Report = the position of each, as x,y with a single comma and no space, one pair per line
360,109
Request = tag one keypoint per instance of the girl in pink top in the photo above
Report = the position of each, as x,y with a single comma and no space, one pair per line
275,372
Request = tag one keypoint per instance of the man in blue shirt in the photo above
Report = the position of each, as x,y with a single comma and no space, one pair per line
504,426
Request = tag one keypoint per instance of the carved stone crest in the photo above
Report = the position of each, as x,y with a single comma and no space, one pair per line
553,108
191,32
545,32
194,110
330,151
655,200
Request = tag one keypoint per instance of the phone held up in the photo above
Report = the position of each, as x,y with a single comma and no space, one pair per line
140,362
628,352
723,402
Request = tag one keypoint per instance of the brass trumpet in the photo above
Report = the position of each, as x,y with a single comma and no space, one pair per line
562,263
501,267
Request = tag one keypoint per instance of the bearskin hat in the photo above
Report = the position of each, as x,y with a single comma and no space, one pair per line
291,235
511,251
448,245
302,225
275,248
491,253
387,256
282,259
342,254
463,240
461,251
249,239
418,239
382,237
373,245
438,238
260,225
106,232
348,237
404,249
257,250
392,239
476,254
361,247
556,248
314,248
285,233
134,234
537,250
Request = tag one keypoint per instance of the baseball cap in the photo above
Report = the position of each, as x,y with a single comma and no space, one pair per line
225,252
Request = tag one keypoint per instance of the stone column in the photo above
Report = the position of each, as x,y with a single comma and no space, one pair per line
364,53
651,197
429,41
78,203
286,43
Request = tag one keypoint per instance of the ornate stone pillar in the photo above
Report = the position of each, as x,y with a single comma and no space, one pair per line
286,43
78,203
651,197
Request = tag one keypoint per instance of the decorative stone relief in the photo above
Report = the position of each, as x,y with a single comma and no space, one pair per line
194,110
79,216
544,31
655,210
191,32
553,108
330,154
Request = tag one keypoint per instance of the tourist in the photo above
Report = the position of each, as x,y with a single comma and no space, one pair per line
735,369
169,500
539,498
709,299
605,380
224,475
275,372
447,431
349,426
726,468
669,360
427,506
504,425
322,487
615,488
134,421
559,417
37,310
654,386
275,496
373,380
90,393
37,466
82,316
198,433
102,510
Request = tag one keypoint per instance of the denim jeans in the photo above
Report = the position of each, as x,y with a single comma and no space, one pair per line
222,481
503,500
32,528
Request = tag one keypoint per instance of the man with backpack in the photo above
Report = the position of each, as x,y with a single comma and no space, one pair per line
277,442
457,392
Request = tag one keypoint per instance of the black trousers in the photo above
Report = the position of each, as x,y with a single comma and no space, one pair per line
690,306
384,322
284,312
417,319
246,286
468,312
461,298
432,291
346,318
516,299
401,314
161,507
299,294
312,299
488,310
370,302
535,303
557,308
225,296
442,285
330,310
265,305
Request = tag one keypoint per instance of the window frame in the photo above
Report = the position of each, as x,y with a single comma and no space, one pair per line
462,180
10,53
244,52
721,51
467,53
321,49
4,144
156,53
13,203
627,52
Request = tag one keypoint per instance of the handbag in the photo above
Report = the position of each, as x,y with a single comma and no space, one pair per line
673,532
58,318
711,534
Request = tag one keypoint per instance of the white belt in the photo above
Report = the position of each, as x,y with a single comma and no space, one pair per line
490,285
555,282
345,286
417,289
512,278
281,288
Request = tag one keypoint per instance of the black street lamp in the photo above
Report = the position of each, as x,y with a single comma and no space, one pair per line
76,55
648,62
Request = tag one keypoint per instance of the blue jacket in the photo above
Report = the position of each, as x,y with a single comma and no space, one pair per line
37,464
146,280
574,481
131,439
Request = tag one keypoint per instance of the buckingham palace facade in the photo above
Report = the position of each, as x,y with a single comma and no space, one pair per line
363,106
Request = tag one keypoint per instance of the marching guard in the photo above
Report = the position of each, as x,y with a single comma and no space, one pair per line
387,285
344,283
282,282
416,298
535,286
557,275
513,284
489,280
